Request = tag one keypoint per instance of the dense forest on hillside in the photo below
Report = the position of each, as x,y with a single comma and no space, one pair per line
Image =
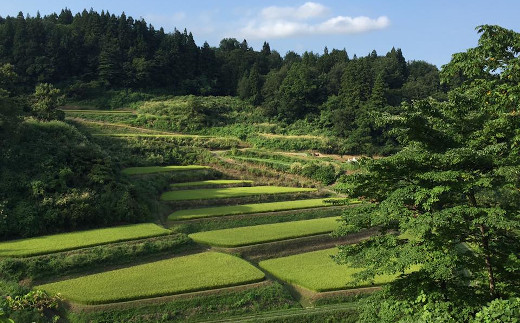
89,52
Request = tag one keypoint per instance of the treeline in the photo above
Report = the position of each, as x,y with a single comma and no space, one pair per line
89,52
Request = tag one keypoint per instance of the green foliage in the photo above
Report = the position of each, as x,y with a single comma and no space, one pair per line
64,263
189,113
293,143
236,237
46,101
196,272
36,299
19,304
159,169
228,192
76,240
451,189
500,310
55,179
322,171
270,297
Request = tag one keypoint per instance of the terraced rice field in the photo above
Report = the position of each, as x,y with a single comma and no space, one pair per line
248,208
196,272
317,271
218,193
212,182
159,169
80,239
250,235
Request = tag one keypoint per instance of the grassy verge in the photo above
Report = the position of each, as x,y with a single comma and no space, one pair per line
159,169
83,111
214,182
204,307
247,208
217,223
196,272
216,193
76,240
266,233
317,271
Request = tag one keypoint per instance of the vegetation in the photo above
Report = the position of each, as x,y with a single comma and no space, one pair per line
218,193
199,307
172,276
444,193
248,208
212,182
92,258
454,182
159,169
113,61
216,223
317,271
242,236
81,239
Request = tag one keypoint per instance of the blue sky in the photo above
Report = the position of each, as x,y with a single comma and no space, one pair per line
424,29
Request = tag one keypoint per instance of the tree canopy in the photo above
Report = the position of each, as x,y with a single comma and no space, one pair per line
449,201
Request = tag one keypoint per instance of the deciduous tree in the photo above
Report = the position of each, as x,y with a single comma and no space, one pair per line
449,201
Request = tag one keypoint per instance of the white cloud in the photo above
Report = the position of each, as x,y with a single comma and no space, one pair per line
305,11
283,22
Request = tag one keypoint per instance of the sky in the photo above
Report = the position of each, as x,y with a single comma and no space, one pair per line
429,30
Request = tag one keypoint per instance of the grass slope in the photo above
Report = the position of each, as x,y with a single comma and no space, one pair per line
73,111
76,240
216,193
248,208
159,169
212,182
196,272
243,236
317,271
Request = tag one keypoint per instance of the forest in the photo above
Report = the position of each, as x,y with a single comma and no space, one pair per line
89,52
122,145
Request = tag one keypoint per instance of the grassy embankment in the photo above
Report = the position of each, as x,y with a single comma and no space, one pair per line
218,193
250,208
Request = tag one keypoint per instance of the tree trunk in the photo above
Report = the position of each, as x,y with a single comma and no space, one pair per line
487,253
487,259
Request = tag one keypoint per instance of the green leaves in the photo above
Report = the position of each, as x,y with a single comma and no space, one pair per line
456,181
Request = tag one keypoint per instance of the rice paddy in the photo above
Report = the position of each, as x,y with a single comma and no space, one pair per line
79,239
317,271
250,235
196,272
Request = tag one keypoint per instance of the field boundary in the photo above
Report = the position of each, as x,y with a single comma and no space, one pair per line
76,307
288,247
253,215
